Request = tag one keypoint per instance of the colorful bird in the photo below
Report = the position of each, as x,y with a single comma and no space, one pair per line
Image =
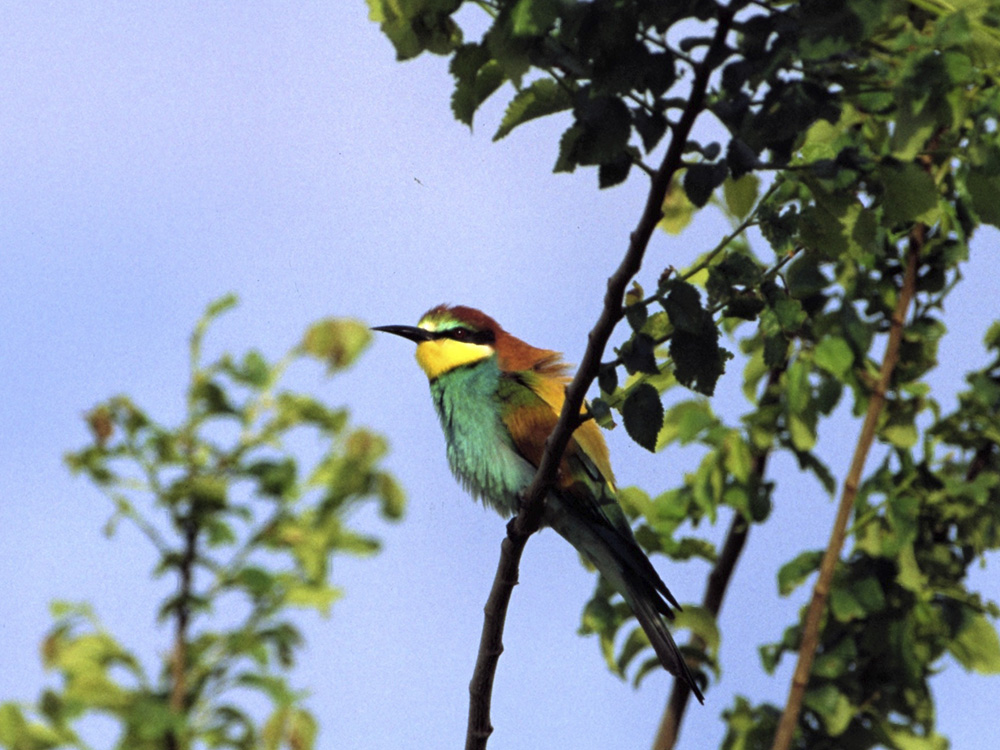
498,399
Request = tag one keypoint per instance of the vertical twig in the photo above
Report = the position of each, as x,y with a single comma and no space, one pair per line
527,521
821,591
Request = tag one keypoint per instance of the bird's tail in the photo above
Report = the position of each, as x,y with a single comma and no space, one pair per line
646,604
611,548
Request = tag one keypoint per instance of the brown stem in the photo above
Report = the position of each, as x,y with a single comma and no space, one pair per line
821,591
528,519
179,657
716,586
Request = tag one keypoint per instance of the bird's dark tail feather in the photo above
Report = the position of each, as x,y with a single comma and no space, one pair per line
642,599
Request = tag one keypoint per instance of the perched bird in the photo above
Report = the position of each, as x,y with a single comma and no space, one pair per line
498,399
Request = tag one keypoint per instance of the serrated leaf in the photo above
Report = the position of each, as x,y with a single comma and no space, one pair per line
698,359
477,77
542,97
638,354
642,414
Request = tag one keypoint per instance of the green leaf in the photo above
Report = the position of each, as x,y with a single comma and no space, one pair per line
254,369
274,478
677,210
604,126
832,706
638,355
734,274
869,594
477,77
12,725
741,195
337,341
698,359
313,596
615,171
983,190
642,414
533,17
804,277
206,491
904,738
793,573
700,181
797,389
834,355
844,605
701,623
686,422
910,194
391,494
976,646
212,397
900,434
543,97
221,305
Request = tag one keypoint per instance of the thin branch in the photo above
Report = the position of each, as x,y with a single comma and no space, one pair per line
739,229
718,583
178,689
528,519
821,591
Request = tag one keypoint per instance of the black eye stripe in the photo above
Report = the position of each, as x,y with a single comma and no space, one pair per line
466,335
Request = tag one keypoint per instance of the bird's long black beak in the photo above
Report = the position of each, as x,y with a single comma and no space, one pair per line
407,332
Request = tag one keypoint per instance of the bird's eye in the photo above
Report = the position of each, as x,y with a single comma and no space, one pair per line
460,334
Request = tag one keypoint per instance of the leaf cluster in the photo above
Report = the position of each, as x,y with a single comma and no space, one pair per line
240,524
860,135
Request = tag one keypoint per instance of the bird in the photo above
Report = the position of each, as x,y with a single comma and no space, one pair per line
498,398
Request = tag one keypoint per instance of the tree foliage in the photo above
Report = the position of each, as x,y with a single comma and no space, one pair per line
240,525
858,153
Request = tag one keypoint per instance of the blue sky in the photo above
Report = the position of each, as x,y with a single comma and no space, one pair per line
156,156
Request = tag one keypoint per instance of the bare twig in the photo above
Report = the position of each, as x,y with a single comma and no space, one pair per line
528,519
821,591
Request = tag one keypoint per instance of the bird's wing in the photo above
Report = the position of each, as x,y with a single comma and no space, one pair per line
530,406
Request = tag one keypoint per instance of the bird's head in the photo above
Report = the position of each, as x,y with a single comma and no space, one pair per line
454,336
450,337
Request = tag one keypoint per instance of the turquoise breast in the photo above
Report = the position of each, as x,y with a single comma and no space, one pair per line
480,450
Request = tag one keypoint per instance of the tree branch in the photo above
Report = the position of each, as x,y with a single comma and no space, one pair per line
821,591
529,517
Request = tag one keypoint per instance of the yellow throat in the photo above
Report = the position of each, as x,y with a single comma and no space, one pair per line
441,355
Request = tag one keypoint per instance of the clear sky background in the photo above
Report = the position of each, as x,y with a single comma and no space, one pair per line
154,156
